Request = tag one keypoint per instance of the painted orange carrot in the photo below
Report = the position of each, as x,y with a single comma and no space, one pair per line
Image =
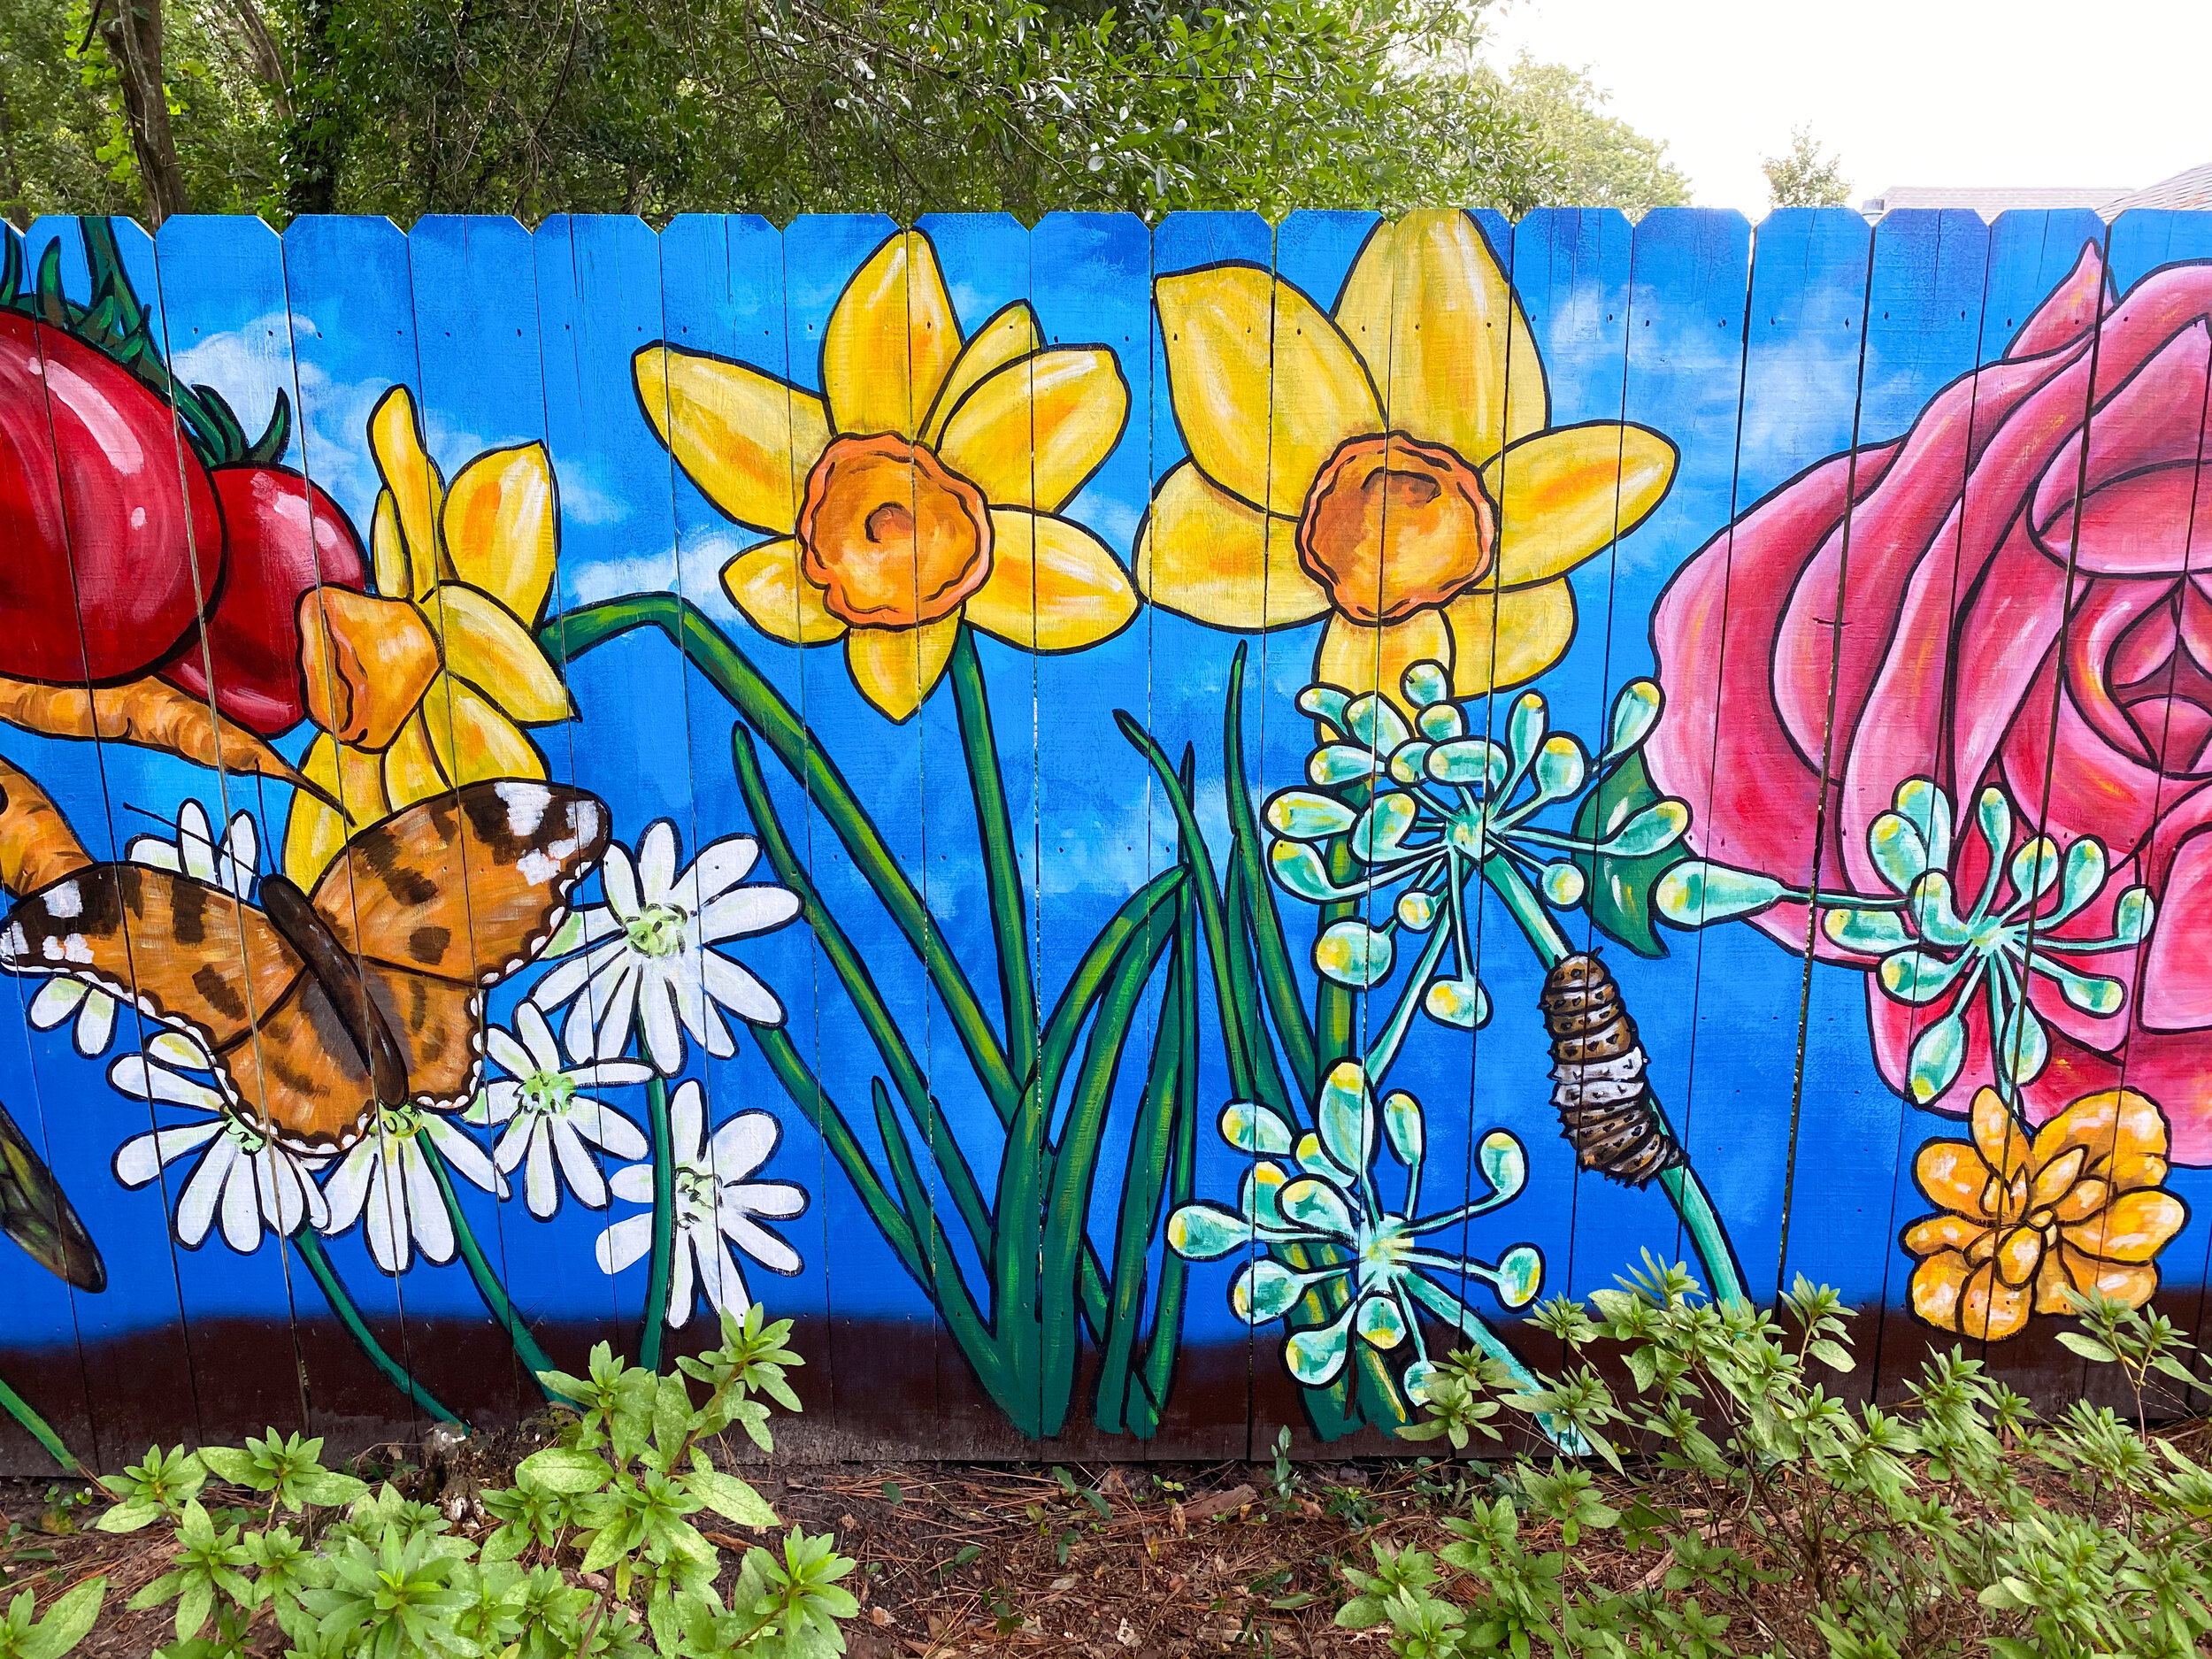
36,844
150,713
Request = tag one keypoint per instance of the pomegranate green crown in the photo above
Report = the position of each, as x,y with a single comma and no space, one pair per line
116,322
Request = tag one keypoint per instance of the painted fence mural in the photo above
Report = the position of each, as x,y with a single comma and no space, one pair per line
1146,831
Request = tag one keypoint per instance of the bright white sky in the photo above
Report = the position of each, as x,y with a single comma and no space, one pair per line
1959,92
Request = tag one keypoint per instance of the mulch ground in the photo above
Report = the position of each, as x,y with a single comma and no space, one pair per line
1127,1562
1117,1561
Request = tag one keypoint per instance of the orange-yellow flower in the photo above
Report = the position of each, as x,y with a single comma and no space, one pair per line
922,487
424,685
2024,1219
1391,465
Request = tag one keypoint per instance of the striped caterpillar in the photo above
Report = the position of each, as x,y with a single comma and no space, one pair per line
1606,1108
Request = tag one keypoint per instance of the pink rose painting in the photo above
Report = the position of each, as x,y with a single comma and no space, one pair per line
1997,631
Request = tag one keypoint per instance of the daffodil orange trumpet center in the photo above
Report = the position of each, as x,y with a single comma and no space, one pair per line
893,536
365,662
1392,525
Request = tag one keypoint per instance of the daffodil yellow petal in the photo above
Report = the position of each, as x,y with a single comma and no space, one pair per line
473,739
1248,356
501,527
1565,494
1012,332
1053,585
1031,433
896,668
1506,638
486,645
1205,555
891,340
410,764
315,830
1370,657
1429,291
418,493
747,439
388,551
766,583
312,835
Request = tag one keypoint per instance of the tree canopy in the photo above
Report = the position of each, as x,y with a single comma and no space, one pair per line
1807,176
405,107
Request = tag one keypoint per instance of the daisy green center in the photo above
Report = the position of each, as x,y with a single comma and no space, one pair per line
658,930
547,1093
400,1122
247,1138
694,1196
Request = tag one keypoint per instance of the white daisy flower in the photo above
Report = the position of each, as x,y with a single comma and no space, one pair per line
239,1172
715,1202
648,958
229,864
546,1118
386,1183
194,852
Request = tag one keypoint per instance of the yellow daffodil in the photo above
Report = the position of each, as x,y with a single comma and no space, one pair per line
1391,465
924,484
424,685
2077,1206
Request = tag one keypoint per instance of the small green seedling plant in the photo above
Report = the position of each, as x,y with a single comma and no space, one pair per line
1785,1522
596,1551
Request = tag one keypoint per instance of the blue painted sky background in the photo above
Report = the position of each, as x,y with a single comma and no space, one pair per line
506,337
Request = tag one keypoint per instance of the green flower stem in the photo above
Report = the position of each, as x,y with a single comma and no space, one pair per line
1074,1163
487,1285
762,708
1243,1076
324,1272
1167,1317
1385,1052
1707,1237
1335,1010
1244,981
1002,868
913,1088
852,973
1151,1155
986,1352
40,1430
806,1092
1692,1203
1470,1325
661,1267
1026,1170
1278,976
1332,1407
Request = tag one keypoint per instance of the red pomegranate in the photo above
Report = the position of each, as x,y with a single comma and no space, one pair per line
103,513
286,536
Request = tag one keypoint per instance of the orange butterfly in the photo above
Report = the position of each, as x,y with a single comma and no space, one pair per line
317,1008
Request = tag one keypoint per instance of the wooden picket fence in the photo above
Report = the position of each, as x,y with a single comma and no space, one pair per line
1144,831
